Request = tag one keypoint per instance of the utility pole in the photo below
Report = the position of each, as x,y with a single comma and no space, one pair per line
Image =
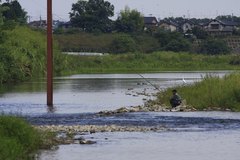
49,55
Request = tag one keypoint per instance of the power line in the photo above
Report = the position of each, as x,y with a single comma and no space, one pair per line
45,9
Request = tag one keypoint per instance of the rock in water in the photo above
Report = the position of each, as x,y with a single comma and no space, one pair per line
87,142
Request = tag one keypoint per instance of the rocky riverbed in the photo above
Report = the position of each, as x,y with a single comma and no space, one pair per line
66,134
75,134
85,129
148,107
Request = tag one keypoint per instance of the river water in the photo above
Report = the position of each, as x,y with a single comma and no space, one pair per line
90,93
193,135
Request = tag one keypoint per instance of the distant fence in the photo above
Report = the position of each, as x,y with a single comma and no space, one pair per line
85,53
232,42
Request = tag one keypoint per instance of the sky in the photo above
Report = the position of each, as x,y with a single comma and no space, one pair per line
157,8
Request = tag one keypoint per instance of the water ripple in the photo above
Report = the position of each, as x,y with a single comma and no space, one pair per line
137,119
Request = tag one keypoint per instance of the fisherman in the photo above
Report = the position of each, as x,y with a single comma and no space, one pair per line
175,99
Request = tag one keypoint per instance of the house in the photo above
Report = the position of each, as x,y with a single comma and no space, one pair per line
56,24
150,23
65,25
41,24
218,27
168,25
186,26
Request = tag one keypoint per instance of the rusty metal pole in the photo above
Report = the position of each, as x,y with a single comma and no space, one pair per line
49,55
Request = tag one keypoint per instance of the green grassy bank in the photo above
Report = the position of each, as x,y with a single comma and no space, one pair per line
154,62
213,93
19,140
23,55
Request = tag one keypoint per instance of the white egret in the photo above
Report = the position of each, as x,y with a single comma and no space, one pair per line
184,81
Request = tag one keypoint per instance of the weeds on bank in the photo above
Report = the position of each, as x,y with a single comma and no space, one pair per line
139,62
210,93
19,140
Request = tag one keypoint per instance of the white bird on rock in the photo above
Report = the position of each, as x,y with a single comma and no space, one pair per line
184,81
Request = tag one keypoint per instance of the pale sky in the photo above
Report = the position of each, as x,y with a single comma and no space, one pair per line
158,8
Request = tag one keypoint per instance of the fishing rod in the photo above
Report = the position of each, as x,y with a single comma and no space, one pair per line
149,82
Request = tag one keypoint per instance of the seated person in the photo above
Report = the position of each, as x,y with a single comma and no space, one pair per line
175,99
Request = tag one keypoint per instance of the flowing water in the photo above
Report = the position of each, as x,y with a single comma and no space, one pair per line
77,98
90,93
216,145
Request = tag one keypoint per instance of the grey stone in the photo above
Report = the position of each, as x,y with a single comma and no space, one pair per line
87,142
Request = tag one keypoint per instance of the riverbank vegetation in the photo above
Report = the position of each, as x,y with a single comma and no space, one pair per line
23,55
154,62
90,29
75,40
212,93
19,140
22,50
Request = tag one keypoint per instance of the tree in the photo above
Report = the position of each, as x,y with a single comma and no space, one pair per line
172,41
214,47
123,44
14,12
92,15
199,33
178,20
229,18
130,21
1,16
178,45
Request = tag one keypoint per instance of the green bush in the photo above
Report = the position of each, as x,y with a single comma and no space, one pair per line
17,138
178,45
84,42
212,92
235,60
152,62
23,55
172,41
214,47
200,33
123,44
10,149
146,43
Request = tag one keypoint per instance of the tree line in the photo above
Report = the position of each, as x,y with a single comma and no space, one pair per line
22,50
94,16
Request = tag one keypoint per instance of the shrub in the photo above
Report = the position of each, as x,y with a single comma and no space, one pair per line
214,47
200,33
17,138
123,44
146,43
235,60
172,41
178,45
23,55
212,92
10,149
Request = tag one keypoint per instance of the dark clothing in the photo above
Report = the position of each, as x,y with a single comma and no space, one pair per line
175,100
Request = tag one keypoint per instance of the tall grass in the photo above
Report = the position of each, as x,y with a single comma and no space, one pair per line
83,41
211,93
107,42
138,62
17,138
23,55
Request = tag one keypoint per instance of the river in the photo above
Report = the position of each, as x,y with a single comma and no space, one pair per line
193,135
